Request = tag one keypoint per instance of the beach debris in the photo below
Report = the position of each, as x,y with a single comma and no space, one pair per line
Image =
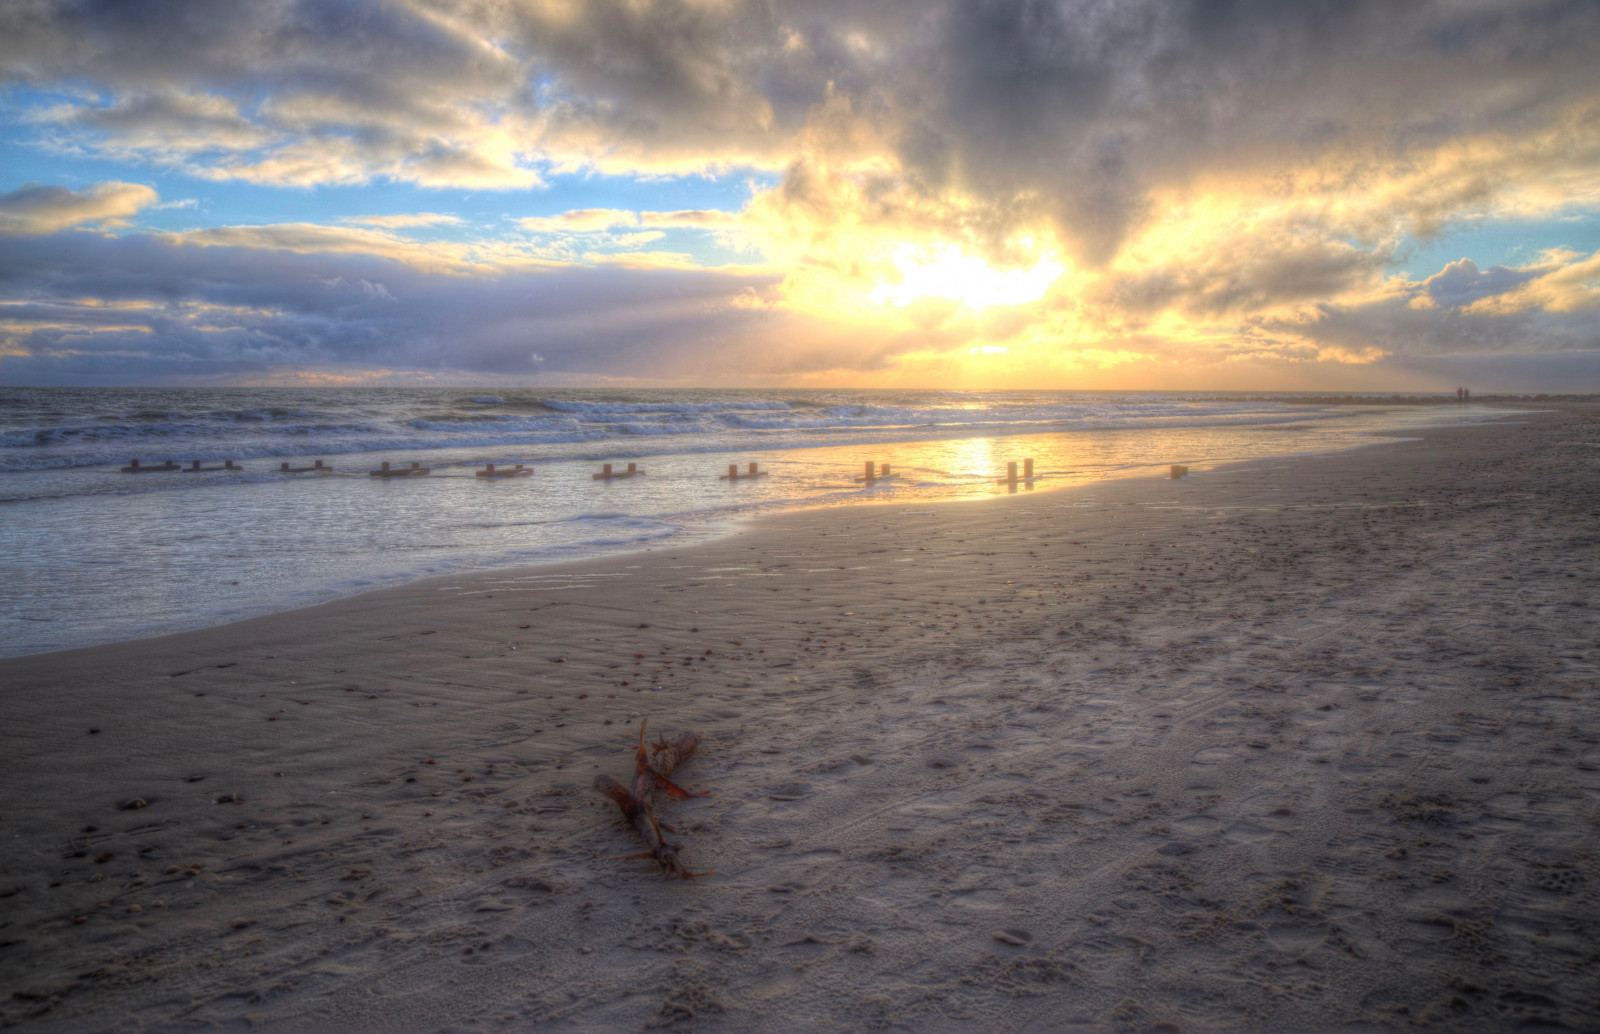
315,468
1178,471
651,771
133,804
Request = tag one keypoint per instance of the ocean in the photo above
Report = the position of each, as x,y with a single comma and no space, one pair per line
89,554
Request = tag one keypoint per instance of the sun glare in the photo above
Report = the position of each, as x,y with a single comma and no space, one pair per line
945,271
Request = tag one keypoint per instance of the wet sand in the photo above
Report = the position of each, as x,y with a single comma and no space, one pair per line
1305,744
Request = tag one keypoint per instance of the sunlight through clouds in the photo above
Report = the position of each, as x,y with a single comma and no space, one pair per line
891,191
943,271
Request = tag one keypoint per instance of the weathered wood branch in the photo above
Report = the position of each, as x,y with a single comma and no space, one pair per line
650,774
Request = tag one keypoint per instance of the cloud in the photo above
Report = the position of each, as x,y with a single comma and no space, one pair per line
237,303
598,220
697,218
1567,283
167,121
402,222
165,308
1463,283
37,208
582,220
1547,308
1227,180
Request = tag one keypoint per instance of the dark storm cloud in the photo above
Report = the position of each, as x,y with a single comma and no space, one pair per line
164,309
1081,106
1089,105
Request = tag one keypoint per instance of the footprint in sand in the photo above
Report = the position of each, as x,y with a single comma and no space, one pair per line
1361,765
1195,825
1246,832
1296,938
1213,755
977,897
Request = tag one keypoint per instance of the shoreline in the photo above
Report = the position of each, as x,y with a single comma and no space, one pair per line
1288,744
717,524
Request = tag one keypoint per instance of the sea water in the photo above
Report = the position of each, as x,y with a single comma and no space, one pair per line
89,554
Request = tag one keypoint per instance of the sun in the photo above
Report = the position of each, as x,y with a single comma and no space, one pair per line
945,271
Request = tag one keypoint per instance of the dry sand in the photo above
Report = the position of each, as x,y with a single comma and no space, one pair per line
1308,744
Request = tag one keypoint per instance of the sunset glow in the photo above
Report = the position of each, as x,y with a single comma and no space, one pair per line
943,271
650,190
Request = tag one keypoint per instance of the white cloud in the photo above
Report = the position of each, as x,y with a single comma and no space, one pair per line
582,220
39,209
405,221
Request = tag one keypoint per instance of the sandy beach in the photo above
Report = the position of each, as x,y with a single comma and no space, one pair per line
1311,743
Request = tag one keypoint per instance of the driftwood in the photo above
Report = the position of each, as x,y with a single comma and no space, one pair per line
650,774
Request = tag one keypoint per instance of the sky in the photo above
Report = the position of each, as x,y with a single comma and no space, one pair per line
1091,194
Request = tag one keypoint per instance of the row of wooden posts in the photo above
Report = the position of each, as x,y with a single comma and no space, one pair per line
193,468
607,473
872,473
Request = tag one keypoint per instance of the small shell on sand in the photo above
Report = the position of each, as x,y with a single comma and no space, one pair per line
133,804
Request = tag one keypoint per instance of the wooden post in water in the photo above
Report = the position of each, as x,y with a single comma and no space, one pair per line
754,470
885,471
1011,471
633,468
733,472
385,464
1027,468
605,468
870,468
